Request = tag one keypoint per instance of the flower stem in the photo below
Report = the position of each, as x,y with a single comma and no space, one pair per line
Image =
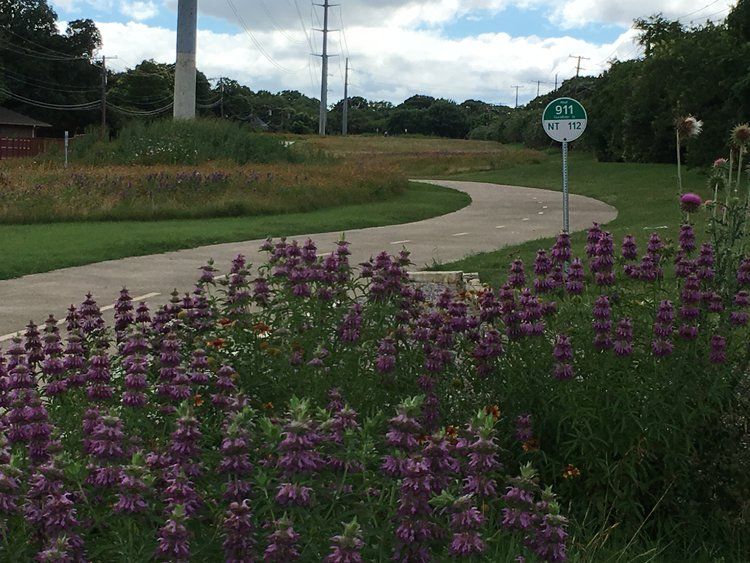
679,163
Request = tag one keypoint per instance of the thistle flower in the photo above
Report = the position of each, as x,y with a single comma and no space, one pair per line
345,548
690,202
688,126
239,544
740,135
174,539
282,543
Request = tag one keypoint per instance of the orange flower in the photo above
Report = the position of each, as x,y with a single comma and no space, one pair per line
571,472
261,328
494,410
198,400
268,406
216,343
531,445
225,321
451,432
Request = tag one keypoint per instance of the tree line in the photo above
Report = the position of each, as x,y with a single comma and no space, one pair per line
700,70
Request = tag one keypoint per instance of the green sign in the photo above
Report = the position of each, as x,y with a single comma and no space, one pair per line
564,120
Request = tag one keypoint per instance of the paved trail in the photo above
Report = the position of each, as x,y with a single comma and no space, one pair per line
498,216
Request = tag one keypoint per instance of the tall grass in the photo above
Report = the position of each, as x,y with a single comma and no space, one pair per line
183,142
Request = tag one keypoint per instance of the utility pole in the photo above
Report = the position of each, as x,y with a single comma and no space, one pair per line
578,65
324,74
556,75
221,105
538,86
517,88
185,72
103,131
345,119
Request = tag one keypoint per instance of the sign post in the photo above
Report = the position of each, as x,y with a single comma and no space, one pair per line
564,120
66,148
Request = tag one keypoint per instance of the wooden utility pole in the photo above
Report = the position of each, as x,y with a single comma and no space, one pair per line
578,65
517,88
323,118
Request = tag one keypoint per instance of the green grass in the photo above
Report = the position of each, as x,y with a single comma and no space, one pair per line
645,196
42,248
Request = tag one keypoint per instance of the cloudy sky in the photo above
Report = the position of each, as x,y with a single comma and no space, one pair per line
456,49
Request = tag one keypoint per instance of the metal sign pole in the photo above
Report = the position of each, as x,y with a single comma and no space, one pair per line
66,149
566,205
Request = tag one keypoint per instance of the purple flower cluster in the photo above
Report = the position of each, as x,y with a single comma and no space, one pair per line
662,345
602,323
563,354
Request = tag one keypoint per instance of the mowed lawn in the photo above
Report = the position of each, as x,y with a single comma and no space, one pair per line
30,249
645,196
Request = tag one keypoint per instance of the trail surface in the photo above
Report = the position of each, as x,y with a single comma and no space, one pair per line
498,216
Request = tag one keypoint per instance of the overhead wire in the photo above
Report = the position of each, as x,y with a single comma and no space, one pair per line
276,26
257,43
47,105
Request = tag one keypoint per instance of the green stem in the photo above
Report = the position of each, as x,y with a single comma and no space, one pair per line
731,166
739,168
679,163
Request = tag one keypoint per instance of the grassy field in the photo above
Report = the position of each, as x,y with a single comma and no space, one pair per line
41,248
645,196
374,168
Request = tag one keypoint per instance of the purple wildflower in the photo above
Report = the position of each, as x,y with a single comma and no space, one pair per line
465,523
623,344
576,274
563,353
282,543
561,250
174,540
629,249
239,543
345,548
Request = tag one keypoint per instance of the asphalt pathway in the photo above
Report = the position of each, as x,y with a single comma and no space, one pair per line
498,216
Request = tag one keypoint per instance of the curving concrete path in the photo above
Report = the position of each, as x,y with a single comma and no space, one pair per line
498,216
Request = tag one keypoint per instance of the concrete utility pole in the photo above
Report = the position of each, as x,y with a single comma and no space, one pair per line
578,66
345,119
517,88
104,98
324,75
185,72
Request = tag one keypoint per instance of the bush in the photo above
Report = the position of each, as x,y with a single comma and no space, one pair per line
627,392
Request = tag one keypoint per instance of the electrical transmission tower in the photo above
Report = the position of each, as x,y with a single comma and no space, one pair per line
185,71
324,73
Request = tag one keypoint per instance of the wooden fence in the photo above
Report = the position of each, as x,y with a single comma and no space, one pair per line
18,148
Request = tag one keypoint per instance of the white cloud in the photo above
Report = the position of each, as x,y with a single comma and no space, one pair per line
139,10
406,61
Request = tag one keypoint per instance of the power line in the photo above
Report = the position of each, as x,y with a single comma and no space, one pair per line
136,113
257,43
276,26
46,105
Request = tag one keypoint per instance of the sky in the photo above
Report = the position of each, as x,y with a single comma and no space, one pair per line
454,49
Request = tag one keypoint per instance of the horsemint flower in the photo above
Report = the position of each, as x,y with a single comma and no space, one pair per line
345,548
174,544
239,542
282,543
